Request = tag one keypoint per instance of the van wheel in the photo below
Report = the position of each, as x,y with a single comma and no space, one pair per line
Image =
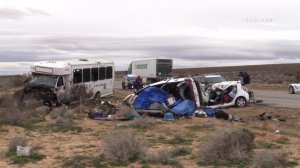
291,90
240,102
97,96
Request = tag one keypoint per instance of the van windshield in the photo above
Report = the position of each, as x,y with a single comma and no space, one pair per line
43,80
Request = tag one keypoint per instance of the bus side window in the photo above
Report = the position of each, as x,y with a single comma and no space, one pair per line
108,72
60,81
86,75
95,74
101,73
77,76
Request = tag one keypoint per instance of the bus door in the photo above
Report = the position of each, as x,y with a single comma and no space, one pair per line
60,89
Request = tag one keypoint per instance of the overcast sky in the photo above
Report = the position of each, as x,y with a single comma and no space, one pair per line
195,33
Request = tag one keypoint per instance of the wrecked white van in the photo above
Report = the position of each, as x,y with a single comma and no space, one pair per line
53,80
170,91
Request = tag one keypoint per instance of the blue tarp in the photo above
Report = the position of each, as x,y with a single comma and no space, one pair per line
184,108
149,96
210,112
152,95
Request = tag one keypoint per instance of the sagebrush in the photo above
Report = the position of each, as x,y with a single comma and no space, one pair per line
270,159
16,141
230,144
13,113
123,146
146,122
161,156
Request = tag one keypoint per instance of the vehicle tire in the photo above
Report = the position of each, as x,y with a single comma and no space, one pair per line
97,96
291,90
240,102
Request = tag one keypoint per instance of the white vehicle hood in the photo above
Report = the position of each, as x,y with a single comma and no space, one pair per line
224,85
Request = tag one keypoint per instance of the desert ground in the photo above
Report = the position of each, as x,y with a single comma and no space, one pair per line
66,137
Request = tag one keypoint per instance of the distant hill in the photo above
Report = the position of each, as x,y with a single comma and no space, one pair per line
271,73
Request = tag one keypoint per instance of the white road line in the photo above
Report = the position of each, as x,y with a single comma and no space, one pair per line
279,100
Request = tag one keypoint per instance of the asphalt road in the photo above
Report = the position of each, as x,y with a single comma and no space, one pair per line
270,98
278,98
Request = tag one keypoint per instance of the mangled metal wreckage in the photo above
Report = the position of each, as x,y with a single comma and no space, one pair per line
183,96
57,82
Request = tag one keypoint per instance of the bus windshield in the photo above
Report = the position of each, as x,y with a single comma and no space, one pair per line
43,80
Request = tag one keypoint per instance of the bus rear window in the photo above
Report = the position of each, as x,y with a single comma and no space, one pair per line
109,72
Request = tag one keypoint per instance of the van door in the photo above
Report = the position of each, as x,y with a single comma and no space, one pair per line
67,83
60,90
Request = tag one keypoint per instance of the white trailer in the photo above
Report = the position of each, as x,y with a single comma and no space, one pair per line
152,70
59,77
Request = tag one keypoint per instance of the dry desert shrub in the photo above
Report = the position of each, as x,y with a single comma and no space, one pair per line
179,136
16,118
64,119
161,156
9,111
76,161
16,141
8,100
58,112
270,159
21,80
143,123
63,112
229,144
33,104
123,146
63,124
15,114
181,151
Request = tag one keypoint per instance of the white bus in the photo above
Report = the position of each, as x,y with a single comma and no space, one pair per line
55,80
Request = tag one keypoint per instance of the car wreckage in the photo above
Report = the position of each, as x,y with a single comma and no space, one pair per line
183,95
